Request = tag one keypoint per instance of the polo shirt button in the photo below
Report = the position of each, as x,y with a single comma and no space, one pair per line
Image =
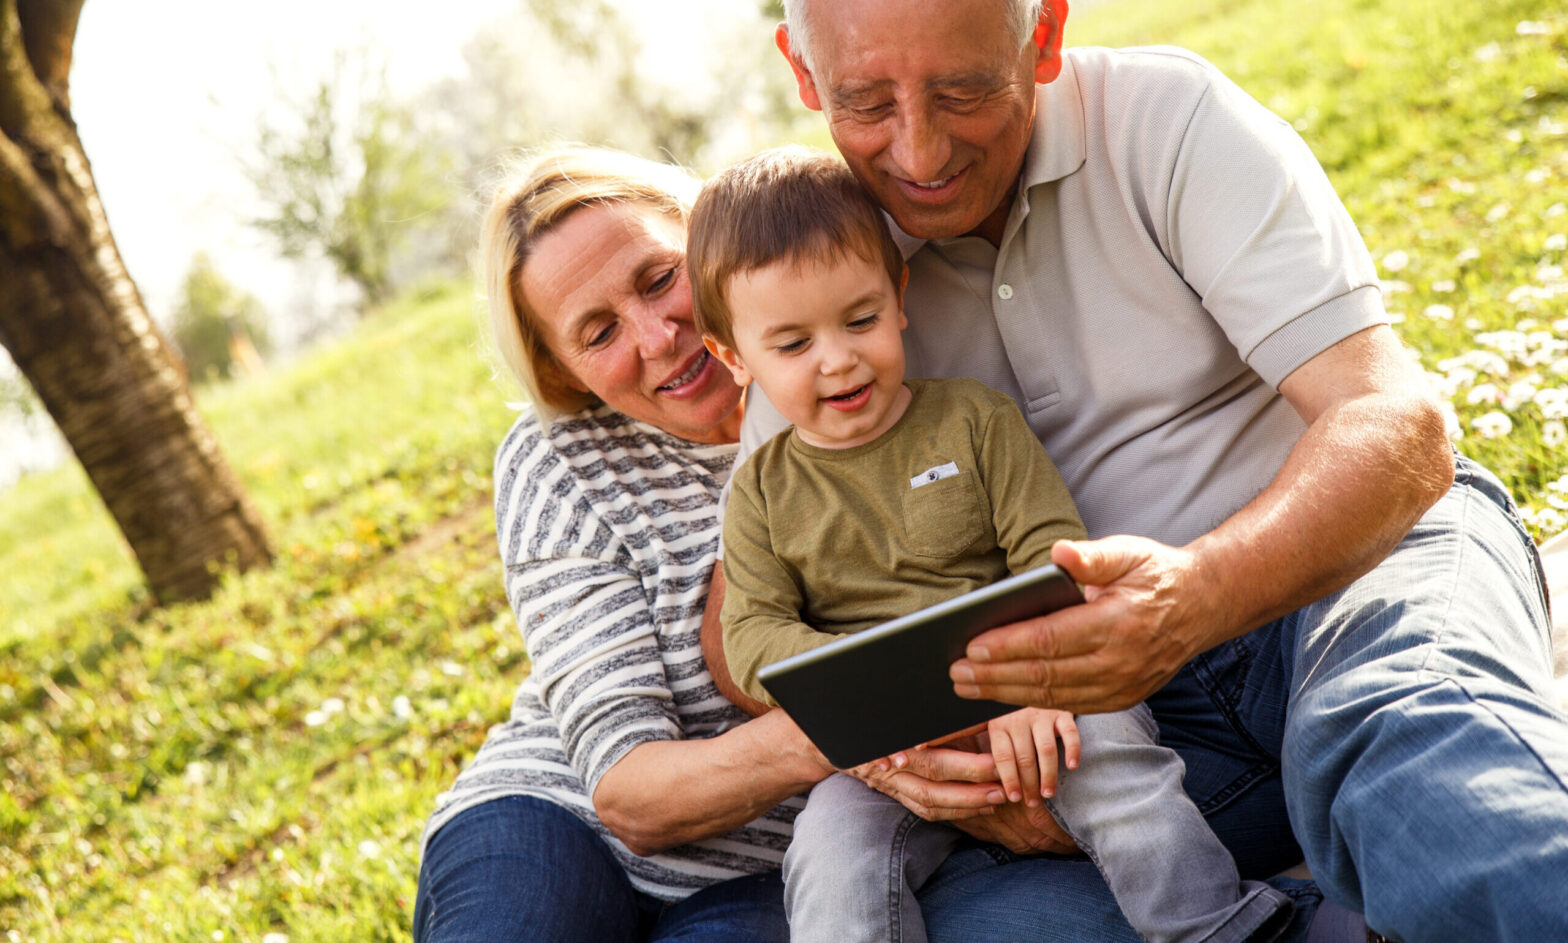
1005,292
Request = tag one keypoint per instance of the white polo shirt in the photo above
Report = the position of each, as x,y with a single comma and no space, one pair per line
1175,252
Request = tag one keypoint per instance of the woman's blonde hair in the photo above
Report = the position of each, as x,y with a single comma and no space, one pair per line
537,192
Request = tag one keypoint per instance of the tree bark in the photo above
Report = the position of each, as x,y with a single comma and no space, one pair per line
75,324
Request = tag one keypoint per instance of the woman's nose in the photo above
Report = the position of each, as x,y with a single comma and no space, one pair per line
656,336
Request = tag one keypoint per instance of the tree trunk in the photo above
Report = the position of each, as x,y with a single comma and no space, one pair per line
73,321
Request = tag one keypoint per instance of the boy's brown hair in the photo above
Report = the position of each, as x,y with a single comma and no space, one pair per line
788,204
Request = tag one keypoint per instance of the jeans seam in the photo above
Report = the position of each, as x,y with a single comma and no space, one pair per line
1521,739
1225,703
1433,644
896,882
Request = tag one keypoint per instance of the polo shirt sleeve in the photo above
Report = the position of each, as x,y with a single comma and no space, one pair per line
1257,230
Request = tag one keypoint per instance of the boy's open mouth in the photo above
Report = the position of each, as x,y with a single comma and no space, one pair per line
849,395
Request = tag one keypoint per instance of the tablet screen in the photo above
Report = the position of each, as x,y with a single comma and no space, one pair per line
886,689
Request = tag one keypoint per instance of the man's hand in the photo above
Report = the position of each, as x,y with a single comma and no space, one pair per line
1022,829
1136,629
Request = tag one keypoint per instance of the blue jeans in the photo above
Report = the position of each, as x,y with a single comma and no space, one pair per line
1407,726
520,868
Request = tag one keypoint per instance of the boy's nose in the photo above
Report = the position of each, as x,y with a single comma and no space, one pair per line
837,358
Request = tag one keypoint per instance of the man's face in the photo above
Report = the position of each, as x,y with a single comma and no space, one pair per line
931,104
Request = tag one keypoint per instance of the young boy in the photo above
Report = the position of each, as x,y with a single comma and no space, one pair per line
887,496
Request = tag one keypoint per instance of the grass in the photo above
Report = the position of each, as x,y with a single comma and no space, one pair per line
259,766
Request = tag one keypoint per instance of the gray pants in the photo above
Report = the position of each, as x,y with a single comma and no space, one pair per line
858,857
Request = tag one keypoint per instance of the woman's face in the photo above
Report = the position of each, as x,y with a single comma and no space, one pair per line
609,287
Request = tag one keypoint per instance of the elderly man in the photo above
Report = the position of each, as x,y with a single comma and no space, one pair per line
1325,613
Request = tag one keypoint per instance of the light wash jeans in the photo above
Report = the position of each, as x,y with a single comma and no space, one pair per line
1408,725
858,858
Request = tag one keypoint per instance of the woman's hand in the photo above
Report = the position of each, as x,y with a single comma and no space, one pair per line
936,783
943,784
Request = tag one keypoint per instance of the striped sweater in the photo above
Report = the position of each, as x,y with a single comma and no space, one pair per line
608,529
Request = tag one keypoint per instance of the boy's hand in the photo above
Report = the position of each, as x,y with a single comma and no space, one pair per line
1023,746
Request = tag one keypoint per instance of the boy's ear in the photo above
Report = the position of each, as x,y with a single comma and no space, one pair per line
804,84
729,358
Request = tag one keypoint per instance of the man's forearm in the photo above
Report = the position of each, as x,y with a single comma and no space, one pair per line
1373,458
1357,480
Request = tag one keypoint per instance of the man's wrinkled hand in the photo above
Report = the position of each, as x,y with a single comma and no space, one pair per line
1021,829
1137,627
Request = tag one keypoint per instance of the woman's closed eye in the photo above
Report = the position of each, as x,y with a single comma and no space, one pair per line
599,335
662,280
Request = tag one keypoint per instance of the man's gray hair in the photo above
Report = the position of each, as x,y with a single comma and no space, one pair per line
1023,14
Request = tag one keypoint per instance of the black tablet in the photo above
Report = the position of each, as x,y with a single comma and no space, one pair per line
886,689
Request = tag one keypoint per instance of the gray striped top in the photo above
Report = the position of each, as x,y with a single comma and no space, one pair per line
608,529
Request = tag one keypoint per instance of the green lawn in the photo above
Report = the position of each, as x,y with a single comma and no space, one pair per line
259,767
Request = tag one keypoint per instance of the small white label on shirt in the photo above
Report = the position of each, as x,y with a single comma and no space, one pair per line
935,473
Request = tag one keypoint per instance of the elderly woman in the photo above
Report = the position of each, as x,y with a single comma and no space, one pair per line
626,798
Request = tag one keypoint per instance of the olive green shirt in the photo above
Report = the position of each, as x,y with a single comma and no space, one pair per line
826,542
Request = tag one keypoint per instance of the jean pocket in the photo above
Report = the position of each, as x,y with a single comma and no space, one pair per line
942,518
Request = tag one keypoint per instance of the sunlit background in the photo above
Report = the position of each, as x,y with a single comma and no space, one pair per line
172,98
258,766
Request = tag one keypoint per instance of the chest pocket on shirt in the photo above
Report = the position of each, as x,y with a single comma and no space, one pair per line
942,518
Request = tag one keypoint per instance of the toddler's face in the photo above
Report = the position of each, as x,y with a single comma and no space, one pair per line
823,341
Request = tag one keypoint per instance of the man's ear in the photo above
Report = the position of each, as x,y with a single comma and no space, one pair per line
729,358
803,81
1048,40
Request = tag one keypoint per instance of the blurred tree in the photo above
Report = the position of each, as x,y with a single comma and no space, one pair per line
16,397
220,329
74,323
584,71
348,178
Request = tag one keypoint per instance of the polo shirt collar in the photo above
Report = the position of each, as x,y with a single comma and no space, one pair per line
1056,147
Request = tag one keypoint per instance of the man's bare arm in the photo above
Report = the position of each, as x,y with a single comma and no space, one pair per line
1374,458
